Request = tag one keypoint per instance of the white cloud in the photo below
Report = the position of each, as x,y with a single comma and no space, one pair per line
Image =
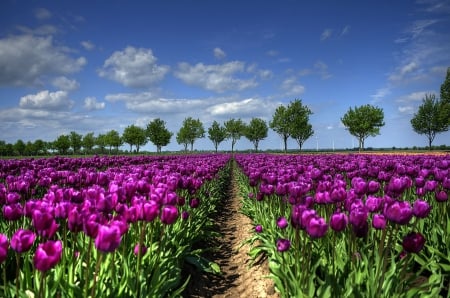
219,53
133,67
45,100
409,110
381,93
319,68
66,84
414,97
326,34
88,45
251,107
345,30
25,60
40,30
218,77
91,103
42,14
291,87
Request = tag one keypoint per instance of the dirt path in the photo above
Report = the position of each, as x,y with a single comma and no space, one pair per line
238,278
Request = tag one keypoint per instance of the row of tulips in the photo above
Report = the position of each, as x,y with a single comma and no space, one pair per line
350,225
105,226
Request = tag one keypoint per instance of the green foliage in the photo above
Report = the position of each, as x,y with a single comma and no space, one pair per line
256,131
445,99
280,124
217,134
158,134
235,130
62,144
191,130
298,115
113,139
134,135
428,120
75,141
363,121
88,142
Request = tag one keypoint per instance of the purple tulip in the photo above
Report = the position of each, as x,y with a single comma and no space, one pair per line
283,245
13,211
379,221
47,255
399,212
374,204
413,242
194,203
441,196
184,215
317,227
169,214
282,222
150,210
338,194
338,221
258,229
22,240
143,249
421,208
373,187
4,245
108,238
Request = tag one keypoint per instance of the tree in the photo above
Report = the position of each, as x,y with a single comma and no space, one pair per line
88,142
217,134
62,144
158,134
256,131
134,135
40,147
445,99
428,120
299,127
75,141
191,130
182,137
280,124
19,147
363,121
113,139
101,142
235,130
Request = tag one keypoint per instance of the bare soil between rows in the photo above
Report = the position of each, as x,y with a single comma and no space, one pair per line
238,278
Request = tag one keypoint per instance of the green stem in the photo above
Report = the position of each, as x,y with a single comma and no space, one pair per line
41,286
97,270
17,274
88,266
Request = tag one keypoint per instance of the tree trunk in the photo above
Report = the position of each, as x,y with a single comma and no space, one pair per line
285,137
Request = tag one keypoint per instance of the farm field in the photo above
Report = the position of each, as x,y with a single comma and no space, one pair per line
218,225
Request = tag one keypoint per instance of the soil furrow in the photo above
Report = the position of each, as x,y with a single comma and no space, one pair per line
238,278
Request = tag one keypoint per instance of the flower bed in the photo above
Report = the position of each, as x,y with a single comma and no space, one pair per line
105,226
351,225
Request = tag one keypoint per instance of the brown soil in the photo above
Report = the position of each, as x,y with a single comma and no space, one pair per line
239,277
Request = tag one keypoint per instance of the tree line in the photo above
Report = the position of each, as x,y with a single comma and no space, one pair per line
290,121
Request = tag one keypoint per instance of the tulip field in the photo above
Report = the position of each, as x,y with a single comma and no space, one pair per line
329,225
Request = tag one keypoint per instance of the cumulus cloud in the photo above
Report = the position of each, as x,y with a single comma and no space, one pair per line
216,77
243,107
91,103
326,34
380,94
133,67
87,45
42,14
319,68
66,84
219,53
25,60
45,100
290,86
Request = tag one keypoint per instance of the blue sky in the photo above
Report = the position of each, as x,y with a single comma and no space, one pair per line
94,66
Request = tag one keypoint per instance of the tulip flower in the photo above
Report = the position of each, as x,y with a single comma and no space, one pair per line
108,238
399,212
421,208
22,240
4,245
47,255
316,227
283,244
282,222
413,242
169,214
258,229
379,221
338,221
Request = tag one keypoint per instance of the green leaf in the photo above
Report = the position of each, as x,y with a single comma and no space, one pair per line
203,264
